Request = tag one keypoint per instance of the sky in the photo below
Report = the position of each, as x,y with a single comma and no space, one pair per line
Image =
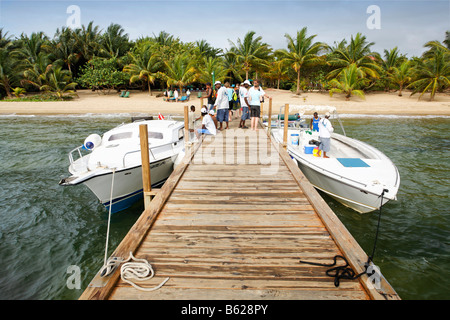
407,24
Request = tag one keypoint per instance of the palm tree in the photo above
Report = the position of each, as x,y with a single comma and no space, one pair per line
432,72
10,68
251,52
114,42
447,39
204,49
209,66
18,91
232,66
277,71
358,52
31,47
301,51
87,41
5,40
180,71
37,73
144,67
63,47
164,38
349,82
401,75
392,60
59,82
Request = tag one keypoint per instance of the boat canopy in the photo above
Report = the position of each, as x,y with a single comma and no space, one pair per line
310,109
302,109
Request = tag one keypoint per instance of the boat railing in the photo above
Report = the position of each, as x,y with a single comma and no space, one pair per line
83,165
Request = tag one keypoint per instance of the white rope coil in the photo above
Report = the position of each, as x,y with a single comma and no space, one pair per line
140,270
132,269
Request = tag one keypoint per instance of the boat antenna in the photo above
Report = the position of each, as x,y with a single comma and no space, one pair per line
339,119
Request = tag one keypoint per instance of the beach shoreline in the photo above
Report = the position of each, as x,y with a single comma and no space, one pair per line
141,103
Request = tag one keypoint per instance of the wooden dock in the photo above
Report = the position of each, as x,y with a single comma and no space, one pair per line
228,224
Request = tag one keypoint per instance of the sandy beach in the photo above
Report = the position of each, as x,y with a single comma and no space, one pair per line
139,102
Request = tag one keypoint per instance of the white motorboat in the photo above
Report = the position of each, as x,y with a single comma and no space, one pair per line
117,154
355,174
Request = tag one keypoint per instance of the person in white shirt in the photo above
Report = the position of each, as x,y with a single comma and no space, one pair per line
325,130
175,95
221,104
255,95
208,126
243,93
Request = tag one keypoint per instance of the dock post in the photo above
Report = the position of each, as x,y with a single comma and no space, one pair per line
186,125
262,110
269,120
146,177
286,124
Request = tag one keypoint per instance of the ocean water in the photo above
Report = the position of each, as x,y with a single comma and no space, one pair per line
46,229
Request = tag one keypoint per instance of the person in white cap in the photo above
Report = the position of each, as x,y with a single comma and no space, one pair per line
221,104
243,92
208,126
325,130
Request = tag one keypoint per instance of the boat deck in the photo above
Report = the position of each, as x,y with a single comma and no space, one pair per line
232,222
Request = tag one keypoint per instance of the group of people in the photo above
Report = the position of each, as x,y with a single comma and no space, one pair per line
174,96
244,97
250,98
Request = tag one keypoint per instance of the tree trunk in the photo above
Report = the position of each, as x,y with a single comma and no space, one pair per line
400,90
149,89
278,83
7,88
298,82
347,97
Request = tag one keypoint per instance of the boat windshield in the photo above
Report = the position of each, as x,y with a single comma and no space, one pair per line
155,135
119,136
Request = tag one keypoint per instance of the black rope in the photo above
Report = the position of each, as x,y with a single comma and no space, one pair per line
345,272
378,227
339,272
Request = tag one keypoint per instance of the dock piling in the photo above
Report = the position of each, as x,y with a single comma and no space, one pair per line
146,175
286,124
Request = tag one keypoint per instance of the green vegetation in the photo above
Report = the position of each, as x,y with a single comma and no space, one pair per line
108,61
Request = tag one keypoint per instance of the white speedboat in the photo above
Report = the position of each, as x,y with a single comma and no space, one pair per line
117,154
355,174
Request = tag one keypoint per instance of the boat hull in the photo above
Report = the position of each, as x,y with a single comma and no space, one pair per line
127,187
349,195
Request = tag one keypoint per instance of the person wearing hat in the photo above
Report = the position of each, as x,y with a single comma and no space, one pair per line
208,126
221,104
325,130
243,93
